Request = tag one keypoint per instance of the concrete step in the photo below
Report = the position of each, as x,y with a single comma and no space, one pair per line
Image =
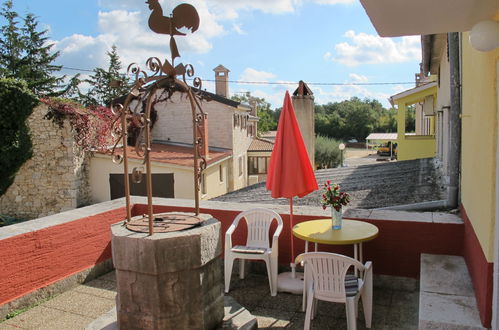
446,296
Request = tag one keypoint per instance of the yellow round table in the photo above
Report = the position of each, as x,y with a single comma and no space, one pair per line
351,232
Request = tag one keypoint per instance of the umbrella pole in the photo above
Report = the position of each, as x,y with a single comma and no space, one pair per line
293,266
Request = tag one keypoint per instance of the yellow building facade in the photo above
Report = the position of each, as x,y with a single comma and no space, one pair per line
414,146
479,154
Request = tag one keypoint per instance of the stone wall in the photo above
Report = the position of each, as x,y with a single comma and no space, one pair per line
55,179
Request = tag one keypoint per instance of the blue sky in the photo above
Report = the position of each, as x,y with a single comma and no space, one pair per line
278,41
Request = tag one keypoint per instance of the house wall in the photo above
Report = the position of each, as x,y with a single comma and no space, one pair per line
416,147
442,112
479,138
54,179
102,165
215,186
175,122
241,142
478,164
410,146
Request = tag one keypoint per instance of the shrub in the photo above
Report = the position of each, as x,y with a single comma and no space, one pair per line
16,105
91,126
327,153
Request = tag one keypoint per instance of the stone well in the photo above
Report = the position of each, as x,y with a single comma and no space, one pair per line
169,280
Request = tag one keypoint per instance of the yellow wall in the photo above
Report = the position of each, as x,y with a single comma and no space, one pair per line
479,138
419,146
215,186
415,147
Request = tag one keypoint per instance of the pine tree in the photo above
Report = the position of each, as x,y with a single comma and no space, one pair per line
36,65
25,54
101,92
11,42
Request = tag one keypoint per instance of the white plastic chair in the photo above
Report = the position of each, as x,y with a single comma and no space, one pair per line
326,279
257,245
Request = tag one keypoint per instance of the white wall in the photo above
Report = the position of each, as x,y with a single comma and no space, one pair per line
102,165
175,122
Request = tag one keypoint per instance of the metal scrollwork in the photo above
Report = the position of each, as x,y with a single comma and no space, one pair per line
161,80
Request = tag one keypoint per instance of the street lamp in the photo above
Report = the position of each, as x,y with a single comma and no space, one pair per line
341,147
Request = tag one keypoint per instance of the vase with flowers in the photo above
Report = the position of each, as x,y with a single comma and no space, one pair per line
336,199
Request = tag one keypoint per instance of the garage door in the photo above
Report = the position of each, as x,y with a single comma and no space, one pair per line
162,186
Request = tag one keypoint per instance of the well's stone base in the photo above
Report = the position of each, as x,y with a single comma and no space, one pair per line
169,280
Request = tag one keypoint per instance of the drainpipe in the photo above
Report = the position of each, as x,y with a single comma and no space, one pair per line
454,120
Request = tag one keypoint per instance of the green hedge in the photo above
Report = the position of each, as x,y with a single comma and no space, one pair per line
327,153
16,104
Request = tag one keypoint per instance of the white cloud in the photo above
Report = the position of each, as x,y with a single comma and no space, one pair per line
327,56
238,29
358,78
346,92
365,48
334,2
128,30
250,74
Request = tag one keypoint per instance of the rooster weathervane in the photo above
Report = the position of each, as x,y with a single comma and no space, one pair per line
182,16
157,84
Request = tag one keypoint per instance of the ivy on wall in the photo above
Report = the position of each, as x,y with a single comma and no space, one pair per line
91,126
16,105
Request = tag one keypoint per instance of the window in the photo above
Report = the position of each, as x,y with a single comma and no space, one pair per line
258,165
221,173
241,166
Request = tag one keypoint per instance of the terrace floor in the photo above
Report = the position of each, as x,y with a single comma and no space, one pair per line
396,304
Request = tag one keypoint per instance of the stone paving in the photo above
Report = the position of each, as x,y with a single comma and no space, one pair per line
396,303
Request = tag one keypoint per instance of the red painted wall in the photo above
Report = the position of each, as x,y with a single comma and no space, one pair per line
37,259
396,251
480,269
34,260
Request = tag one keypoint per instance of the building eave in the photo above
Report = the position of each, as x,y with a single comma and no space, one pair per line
415,93
395,18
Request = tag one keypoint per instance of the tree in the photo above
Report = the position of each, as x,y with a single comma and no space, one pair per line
11,43
15,143
327,153
354,118
101,92
25,53
267,117
36,66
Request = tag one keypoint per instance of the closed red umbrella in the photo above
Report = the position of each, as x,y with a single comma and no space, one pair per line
290,172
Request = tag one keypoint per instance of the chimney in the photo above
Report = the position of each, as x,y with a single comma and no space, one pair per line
204,133
303,103
221,81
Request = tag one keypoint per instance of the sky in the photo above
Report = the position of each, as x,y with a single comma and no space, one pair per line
329,44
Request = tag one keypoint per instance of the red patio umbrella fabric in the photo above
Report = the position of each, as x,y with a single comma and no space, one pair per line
290,172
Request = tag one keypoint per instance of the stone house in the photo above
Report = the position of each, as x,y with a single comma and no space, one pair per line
230,130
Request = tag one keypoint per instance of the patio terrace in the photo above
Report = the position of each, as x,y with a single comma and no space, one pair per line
55,254
396,302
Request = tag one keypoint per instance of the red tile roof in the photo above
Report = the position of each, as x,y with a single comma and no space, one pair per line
174,154
260,144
